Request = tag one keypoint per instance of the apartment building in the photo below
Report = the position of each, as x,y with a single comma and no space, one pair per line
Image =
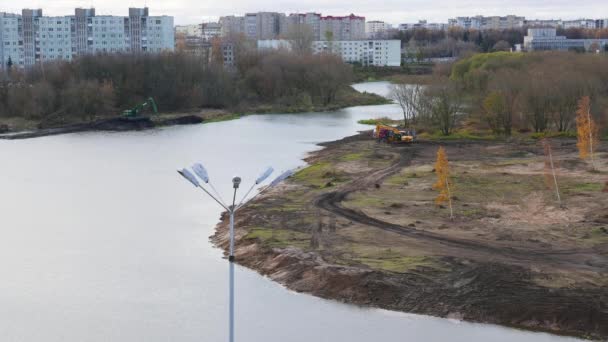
30,38
364,52
601,23
313,20
422,24
349,27
11,41
488,23
547,39
232,25
376,28
189,30
371,52
210,31
260,25
543,23
579,23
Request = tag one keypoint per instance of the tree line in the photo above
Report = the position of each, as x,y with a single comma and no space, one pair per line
96,86
424,43
508,92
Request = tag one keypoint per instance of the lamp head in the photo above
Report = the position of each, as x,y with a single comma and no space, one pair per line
236,181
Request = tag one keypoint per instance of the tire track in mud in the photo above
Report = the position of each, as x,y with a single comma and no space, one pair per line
577,259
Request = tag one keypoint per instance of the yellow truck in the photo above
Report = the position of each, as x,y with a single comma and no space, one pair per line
391,134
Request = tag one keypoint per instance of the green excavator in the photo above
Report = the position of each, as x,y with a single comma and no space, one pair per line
134,113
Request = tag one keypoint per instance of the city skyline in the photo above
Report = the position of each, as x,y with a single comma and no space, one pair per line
392,11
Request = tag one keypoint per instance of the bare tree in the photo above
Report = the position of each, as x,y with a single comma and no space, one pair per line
301,37
443,105
408,97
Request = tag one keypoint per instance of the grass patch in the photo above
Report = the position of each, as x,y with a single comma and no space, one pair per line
364,200
391,261
458,135
352,156
320,175
401,179
597,235
279,238
226,117
379,121
505,188
542,135
583,187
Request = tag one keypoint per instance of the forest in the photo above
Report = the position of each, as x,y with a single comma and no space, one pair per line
506,93
97,86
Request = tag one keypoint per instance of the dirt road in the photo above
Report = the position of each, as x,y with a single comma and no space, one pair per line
579,259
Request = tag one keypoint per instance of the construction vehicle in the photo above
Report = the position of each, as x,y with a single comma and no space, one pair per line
390,134
134,113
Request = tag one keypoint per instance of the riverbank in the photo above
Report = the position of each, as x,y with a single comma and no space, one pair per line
359,225
20,128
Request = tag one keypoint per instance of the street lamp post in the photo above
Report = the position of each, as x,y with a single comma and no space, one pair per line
202,174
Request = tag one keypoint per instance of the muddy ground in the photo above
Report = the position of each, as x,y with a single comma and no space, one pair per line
359,225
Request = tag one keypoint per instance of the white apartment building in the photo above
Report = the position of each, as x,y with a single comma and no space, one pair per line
579,23
159,34
422,24
601,23
54,38
210,31
30,38
547,39
189,30
364,52
11,43
108,35
274,44
480,22
376,28
543,23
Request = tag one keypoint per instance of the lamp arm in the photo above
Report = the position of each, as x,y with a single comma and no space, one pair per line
215,199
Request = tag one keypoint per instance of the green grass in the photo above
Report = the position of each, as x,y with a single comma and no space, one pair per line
458,135
582,187
401,178
226,117
364,200
379,121
542,135
320,175
391,261
279,238
352,156
598,235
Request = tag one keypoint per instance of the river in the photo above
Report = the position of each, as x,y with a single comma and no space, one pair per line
101,240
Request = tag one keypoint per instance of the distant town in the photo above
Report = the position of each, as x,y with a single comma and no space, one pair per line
30,37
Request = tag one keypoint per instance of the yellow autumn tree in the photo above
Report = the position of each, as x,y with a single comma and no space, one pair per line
587,131
443,184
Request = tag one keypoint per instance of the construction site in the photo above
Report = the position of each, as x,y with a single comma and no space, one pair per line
360,224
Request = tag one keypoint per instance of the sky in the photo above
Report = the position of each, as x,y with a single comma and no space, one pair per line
392,11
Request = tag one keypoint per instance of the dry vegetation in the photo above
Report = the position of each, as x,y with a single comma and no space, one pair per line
101,86
360,224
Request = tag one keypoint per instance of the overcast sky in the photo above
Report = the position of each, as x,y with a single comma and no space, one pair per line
393,11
